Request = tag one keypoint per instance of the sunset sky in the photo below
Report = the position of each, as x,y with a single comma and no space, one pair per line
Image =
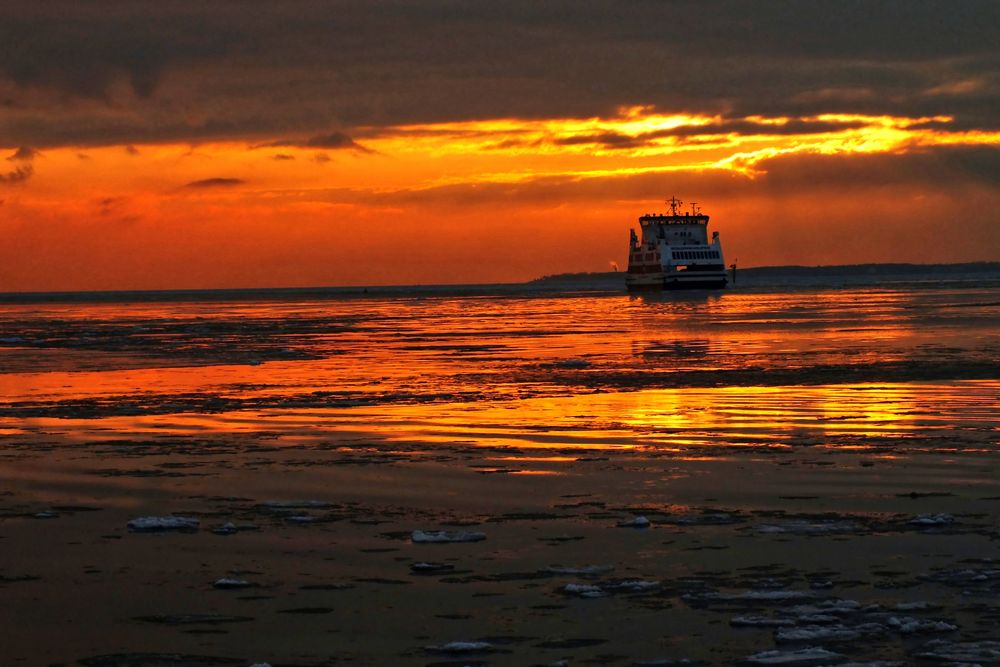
198,145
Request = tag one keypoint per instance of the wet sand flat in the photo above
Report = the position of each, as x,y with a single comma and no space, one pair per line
730,479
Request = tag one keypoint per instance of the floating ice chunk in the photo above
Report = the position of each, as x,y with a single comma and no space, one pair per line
809,527
667,662
827,607
584,590
45,515
227,528
805,657
637,522
301,518
942,650
932,520
152,524
444,536
462,647
828,633
760,622
634,586
912,626
261,664
919,605
877,663
579,571
227,582
816,619
758,596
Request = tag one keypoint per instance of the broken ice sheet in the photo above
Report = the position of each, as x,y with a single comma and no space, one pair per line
445,536
231,583
152,524
910,626
804,657
931,520
608,588
635,522
424,567
985,651
462,647
828,633
584,590
810,527
751,621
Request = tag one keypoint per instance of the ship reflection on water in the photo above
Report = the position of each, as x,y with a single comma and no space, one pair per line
810,367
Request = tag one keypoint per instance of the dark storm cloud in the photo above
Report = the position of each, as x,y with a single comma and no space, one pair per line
201,71
19,174
24,154
612,140
331,140
215,183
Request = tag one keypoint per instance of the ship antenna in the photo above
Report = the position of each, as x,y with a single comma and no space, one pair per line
674,203
694,208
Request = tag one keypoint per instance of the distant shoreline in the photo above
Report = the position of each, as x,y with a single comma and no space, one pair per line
592,281
796,270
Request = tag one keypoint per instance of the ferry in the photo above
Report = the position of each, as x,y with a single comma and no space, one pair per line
672,251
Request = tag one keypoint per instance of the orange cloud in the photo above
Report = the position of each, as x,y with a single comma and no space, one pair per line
504,199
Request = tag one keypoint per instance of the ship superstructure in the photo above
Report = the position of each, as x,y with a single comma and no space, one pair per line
673,251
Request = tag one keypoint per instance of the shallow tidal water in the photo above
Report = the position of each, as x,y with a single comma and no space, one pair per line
767,475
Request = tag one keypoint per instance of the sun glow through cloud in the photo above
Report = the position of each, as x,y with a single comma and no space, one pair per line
236,196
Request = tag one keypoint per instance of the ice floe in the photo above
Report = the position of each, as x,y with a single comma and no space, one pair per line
917,605
607,588
828,633
809,527
152,524
759,596
636,522
445,536
584,590
911,626
930,520
805,657
836,606
458,647
760,622
228,582
986,651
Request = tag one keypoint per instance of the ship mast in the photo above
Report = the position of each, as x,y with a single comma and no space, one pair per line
674,204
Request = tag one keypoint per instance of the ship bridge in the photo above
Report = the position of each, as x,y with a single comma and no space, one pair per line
676,227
